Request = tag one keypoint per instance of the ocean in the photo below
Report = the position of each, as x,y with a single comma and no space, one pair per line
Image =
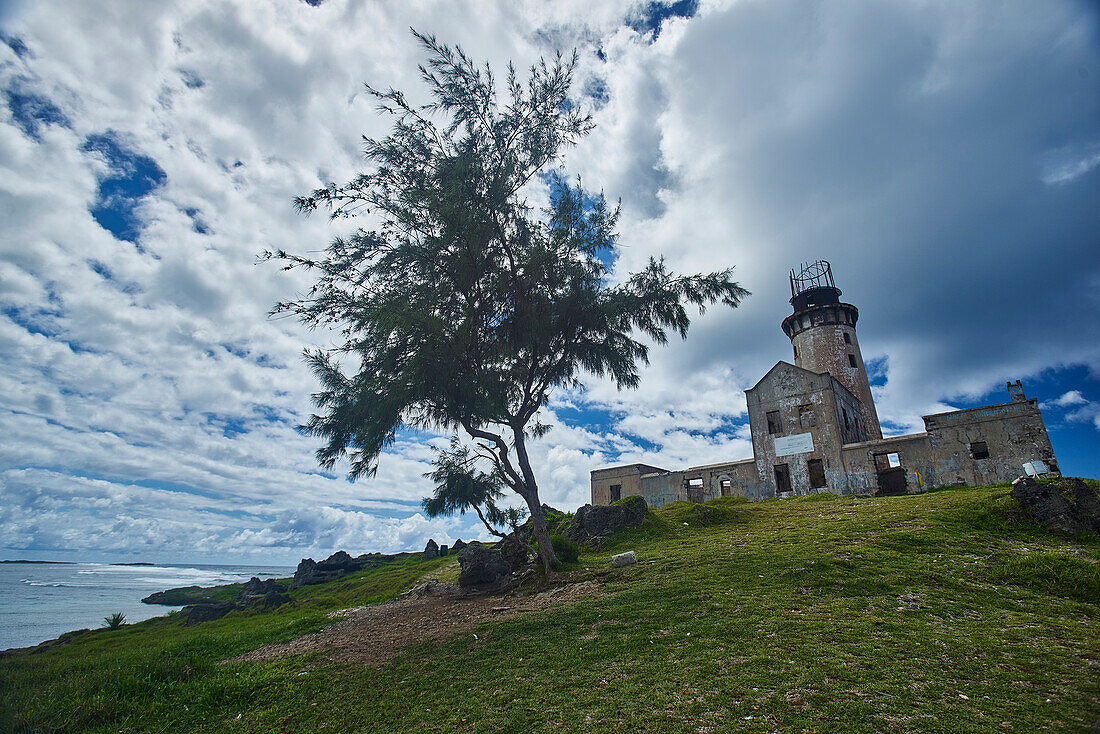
39,601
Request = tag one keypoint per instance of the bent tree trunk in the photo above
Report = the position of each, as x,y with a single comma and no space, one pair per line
542,535
534,505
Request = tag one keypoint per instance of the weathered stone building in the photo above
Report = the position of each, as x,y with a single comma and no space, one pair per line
815,429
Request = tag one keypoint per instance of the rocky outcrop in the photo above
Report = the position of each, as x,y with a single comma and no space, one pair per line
492,568
207,611
431,550
458,545
339,564
255,594
1064,505
265,594
594,524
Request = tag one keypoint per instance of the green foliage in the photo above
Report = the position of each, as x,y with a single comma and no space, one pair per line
460,487
114,621
464,309
565,549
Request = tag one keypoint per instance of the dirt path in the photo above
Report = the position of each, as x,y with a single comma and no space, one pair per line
374,634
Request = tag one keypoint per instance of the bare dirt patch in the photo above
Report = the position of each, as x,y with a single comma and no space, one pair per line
372,635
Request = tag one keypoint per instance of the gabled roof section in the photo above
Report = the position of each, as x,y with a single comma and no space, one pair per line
786,368
781,367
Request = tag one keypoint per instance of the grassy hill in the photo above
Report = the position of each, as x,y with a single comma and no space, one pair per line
933,612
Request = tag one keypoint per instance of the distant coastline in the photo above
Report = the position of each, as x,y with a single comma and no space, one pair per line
62,563
69,563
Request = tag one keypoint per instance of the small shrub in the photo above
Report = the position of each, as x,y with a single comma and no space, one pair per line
565,549
115,621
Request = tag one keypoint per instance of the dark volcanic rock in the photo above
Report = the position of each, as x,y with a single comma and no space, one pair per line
267,593
207,611
338,564
458,545
431,550
271,600
593,524
1064,505
491,568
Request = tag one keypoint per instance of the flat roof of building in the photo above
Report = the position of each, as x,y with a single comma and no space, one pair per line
722,463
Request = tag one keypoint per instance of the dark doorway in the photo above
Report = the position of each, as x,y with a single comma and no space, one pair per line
782,478
817,473
891,474
616,492
695,490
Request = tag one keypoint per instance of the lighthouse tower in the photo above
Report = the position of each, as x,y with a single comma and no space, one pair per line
822,331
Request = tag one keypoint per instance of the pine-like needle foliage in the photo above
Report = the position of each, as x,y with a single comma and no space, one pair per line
464,308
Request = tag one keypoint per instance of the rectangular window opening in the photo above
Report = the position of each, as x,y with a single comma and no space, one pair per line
847,338
817,473
886,462
979,450
806,416
616,492
727,487
775,425
782,478
852,360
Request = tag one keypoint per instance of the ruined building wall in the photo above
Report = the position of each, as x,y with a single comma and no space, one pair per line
728,479
974,447
628,479
914,452
1012,434
661,489
806,404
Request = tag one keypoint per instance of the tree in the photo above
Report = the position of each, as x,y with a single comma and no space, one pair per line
463,308
461,486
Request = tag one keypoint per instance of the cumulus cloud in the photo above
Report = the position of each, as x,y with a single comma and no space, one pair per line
943,158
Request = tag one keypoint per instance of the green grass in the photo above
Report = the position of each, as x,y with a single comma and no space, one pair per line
933,612
183,595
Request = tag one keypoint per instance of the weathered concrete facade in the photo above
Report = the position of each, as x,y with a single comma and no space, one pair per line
814,428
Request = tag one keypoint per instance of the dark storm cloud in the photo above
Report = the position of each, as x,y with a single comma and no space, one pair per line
943,158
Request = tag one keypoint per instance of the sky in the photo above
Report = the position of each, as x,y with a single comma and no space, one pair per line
943,156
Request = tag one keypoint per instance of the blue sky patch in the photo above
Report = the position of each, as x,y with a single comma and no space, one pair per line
555,180
31,111
192,80
197,224
648,18
132,177
596,90
15,43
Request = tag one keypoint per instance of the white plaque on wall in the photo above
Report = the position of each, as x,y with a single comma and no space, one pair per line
799,443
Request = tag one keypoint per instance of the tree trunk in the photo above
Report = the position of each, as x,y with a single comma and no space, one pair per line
542,535
534,504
